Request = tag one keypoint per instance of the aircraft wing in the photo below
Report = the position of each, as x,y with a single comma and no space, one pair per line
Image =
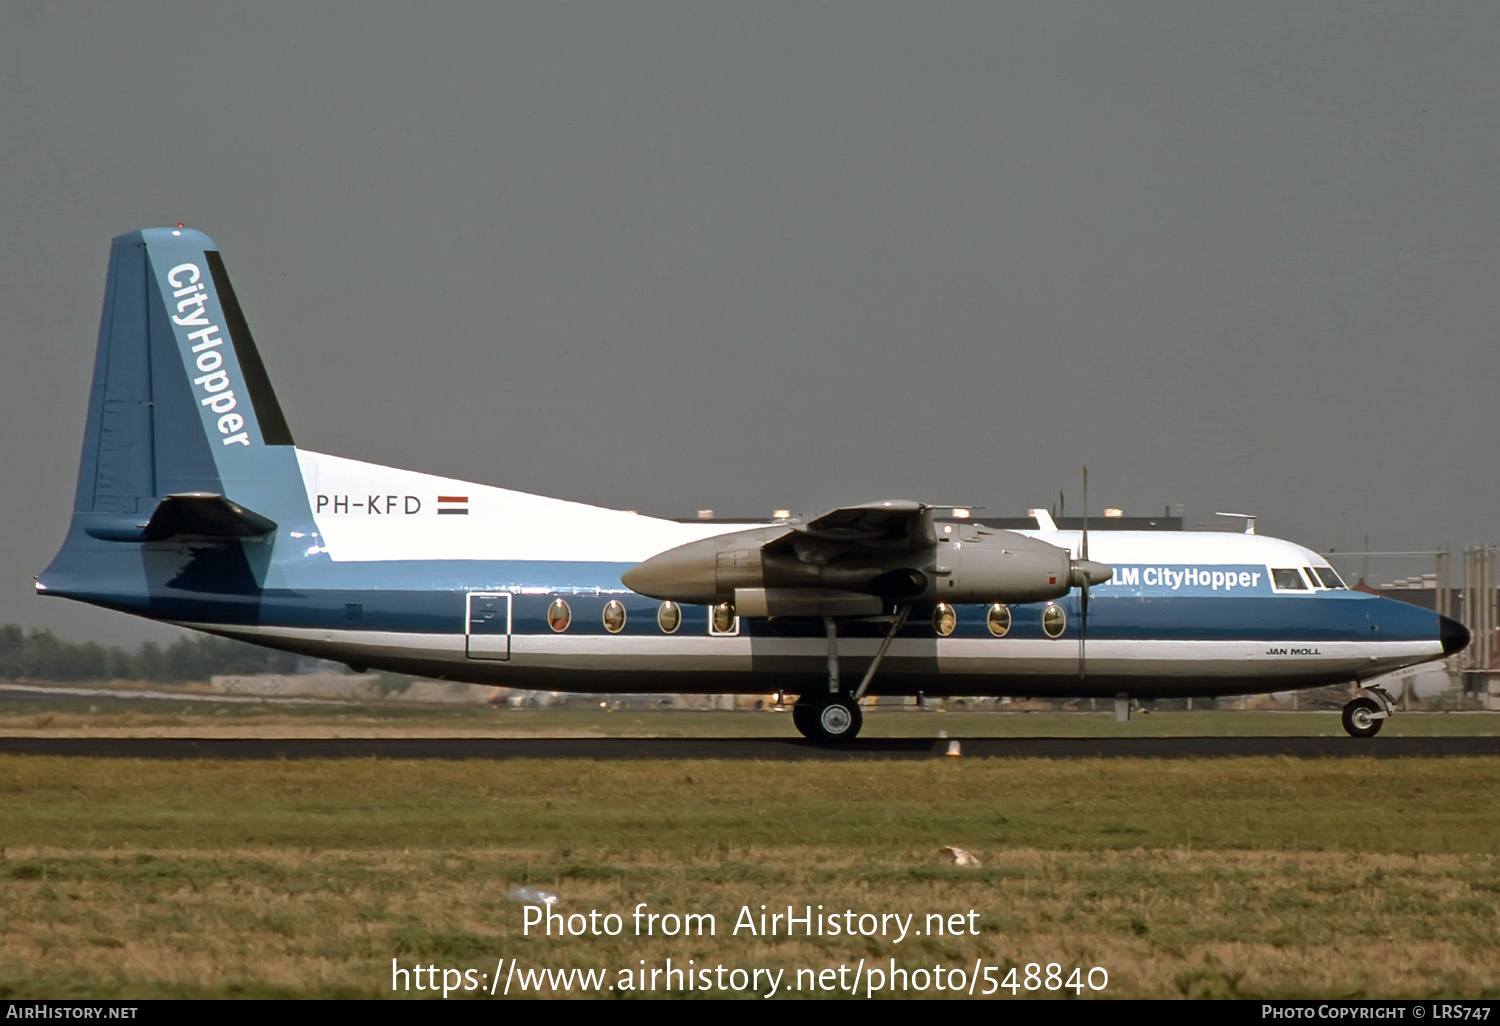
885,528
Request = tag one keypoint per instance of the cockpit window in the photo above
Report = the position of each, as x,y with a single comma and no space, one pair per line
1288,580
1330,577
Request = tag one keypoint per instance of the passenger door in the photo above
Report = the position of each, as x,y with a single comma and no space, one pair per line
488,628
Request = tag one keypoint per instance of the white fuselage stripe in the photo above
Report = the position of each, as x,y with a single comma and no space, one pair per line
967,657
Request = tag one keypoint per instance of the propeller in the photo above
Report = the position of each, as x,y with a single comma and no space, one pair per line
1083,595
1086,572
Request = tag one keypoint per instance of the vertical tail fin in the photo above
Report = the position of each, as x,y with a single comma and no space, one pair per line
184,437
180,399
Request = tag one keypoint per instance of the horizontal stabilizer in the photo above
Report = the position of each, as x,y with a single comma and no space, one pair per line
190,515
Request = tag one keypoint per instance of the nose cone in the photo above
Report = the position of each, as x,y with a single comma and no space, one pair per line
1454,635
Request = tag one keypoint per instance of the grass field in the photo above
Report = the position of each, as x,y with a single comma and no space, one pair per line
1240,877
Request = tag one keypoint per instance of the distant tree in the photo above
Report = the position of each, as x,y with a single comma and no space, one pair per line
12,647
153,663
92,661
123,665
41,655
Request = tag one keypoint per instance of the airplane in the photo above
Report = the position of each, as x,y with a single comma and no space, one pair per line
195,506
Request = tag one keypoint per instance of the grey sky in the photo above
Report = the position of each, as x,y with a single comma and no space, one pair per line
668,256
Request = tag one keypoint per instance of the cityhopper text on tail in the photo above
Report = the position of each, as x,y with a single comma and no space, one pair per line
195,507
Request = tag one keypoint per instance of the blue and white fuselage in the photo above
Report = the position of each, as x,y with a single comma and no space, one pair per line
195,507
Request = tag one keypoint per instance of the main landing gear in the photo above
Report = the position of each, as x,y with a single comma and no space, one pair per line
1364,716
833,717
827,718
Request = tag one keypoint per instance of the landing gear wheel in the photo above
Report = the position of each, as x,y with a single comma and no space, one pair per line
839,719
1360,719
828,719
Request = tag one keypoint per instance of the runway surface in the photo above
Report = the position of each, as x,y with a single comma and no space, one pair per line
767,749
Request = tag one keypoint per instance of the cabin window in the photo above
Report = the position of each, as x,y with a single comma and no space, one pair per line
614,616
1054,620
724,621
559,615
669,617
944,619
999,620
1330,577
1288,580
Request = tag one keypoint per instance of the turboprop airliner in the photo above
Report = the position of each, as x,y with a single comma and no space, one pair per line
195,507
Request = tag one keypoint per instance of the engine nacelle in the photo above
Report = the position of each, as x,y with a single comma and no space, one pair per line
971,565
706,571
1000,566
737,568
